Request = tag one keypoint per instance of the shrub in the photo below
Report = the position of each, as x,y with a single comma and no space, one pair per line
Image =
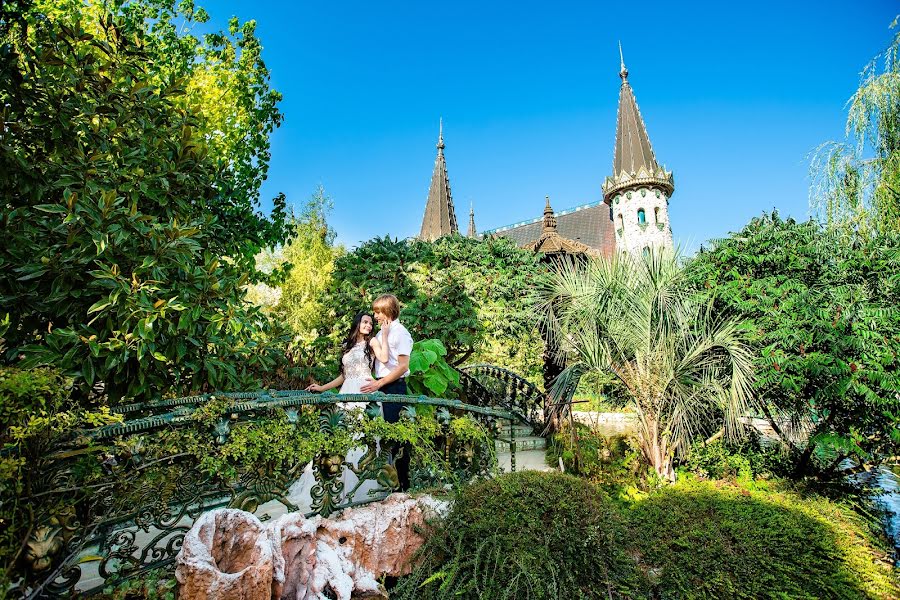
714,540
614,460
746,459
823,311
526,535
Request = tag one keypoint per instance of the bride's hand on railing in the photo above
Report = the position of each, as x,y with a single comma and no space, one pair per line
315,388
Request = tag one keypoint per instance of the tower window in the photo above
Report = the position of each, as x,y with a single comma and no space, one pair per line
642,216
621,221
656,215
646,251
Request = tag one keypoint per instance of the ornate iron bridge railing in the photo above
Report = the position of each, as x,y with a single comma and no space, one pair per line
507,389
115,502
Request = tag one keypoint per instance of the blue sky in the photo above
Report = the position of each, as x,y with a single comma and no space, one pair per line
735,97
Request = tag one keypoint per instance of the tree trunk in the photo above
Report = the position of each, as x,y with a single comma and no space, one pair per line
656,450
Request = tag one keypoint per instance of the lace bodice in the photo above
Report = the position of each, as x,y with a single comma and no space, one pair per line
355,364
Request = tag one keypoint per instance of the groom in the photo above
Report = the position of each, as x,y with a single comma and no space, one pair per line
391,376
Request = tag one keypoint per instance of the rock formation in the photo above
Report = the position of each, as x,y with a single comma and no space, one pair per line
230,554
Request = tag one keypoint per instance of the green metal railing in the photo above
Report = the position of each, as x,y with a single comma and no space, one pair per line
105,505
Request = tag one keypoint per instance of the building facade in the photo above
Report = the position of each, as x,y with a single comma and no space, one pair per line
632,217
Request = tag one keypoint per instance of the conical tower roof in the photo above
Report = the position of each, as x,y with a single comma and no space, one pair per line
634,164
440,216
472,233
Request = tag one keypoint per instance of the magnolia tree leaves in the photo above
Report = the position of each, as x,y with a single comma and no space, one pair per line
130,224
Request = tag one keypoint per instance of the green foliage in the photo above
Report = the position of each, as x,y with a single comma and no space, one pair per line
545,535
613,461
128,201
429,373
745,459
297,301
715,540
471,295
823,314
683,365
856,183
526,535
155,585
34,416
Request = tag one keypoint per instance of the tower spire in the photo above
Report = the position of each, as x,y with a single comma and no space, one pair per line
440,216
634,163
472,233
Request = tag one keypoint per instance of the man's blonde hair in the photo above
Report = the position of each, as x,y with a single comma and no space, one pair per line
388,304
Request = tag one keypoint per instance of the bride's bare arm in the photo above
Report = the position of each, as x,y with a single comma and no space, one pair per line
380,348
337,381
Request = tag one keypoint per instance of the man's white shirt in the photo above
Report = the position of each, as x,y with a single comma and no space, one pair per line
399,343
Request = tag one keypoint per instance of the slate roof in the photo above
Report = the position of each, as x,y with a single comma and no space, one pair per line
589,224
634,164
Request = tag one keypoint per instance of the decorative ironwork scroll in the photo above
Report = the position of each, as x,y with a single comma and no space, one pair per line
106,505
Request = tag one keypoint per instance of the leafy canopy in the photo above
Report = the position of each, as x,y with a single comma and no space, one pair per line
129,197
471,295
824,310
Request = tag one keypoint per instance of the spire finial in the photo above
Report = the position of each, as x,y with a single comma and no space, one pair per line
440,143
623,72
549,217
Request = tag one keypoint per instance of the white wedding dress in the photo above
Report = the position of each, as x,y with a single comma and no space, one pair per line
357,370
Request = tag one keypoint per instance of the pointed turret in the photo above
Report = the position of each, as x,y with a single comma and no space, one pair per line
440,216
634,164
639,189
472,233
550,243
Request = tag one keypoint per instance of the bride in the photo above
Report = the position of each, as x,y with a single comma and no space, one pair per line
359,351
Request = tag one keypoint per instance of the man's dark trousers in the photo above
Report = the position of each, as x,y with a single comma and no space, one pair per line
391,412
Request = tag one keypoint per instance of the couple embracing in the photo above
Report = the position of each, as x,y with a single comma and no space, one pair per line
387,353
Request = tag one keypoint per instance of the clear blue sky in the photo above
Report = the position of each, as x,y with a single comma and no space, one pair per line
735,97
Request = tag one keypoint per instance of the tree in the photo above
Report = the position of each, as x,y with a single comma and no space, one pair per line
857,182
684,367
129,231
824,312
471,295
311,254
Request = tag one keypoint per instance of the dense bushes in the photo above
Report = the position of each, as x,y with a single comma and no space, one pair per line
613,460
715,540
822,313
470,294
129,196
526,535
545,535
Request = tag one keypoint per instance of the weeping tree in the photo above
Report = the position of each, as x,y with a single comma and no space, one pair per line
856,182
685,369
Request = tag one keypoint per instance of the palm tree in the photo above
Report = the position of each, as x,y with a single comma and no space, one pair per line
685,370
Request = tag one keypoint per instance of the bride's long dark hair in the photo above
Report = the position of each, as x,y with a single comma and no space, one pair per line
350,341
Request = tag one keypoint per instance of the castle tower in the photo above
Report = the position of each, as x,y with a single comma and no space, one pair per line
639,189
472,233
440,216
